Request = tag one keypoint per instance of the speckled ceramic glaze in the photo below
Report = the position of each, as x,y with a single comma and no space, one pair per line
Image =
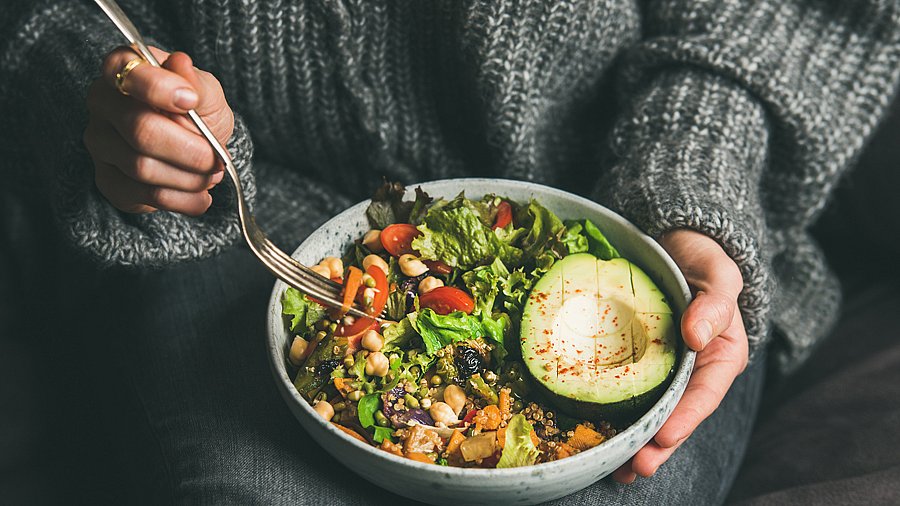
525,485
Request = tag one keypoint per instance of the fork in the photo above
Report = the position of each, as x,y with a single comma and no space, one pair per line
279,263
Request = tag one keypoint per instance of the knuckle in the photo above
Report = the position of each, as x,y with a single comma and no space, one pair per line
144,129
159,197
144,169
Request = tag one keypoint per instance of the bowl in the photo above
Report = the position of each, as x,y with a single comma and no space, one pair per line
522,485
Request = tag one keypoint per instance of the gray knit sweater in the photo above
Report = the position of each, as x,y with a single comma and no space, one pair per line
734,118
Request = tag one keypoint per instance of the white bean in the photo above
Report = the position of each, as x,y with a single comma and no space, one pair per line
411,266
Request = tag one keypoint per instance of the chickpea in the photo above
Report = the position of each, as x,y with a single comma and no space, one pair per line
442,413
298,351
377,261
411,266
430,283
372,341
455,397
335,265
377,364
324,409
321,270
368,296
372,240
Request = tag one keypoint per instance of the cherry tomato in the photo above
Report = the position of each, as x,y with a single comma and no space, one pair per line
397,238
438,267
470,416
447,299
504,215
381,290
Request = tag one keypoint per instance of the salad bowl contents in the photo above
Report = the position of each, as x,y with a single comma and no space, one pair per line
518,336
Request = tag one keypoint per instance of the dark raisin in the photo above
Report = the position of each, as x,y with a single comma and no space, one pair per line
468,361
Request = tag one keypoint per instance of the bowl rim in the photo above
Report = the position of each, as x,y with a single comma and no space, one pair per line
682,372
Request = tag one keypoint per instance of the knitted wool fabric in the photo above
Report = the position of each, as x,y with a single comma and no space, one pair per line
734,118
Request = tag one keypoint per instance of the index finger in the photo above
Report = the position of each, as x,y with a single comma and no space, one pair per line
155,86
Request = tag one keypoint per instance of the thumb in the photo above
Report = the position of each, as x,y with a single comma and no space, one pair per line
708,315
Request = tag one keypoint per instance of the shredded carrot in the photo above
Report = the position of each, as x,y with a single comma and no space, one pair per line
585,438
504,404
351,286
389,447
488,418
350,432
455,440
501,437
418,457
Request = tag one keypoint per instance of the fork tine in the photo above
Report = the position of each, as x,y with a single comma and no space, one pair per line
305,271
284,270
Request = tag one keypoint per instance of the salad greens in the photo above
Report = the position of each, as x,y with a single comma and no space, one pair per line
518,449
483,258
303,312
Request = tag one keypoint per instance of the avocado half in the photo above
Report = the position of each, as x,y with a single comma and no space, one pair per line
599,338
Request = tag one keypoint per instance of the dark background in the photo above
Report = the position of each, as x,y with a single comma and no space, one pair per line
830,435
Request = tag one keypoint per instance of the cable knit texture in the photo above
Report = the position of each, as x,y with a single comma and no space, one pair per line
734,118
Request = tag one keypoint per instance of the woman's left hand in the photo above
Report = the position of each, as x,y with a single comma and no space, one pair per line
712,326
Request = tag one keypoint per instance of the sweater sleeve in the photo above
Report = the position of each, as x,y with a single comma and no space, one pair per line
51,51
740,117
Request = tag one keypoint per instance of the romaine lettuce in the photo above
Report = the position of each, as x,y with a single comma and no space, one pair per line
304,313
518,448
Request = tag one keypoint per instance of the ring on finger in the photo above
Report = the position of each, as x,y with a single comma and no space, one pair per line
123,73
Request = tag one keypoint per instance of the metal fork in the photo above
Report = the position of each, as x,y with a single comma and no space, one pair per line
278,262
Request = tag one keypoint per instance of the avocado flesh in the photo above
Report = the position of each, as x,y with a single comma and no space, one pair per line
599,338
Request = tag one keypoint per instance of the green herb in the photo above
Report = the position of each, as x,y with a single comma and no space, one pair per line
388,207
366,410
518,449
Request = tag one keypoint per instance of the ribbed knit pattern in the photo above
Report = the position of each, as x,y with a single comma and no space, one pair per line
735,118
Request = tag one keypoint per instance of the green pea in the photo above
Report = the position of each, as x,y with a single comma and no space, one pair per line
355,395
381,420
411,401
436,380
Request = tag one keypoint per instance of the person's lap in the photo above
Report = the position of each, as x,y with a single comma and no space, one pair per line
186,347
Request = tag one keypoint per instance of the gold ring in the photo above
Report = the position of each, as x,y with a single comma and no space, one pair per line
122,74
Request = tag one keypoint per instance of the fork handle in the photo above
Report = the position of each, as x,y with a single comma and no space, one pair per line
115,14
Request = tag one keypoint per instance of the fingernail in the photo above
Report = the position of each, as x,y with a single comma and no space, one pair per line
704,331
186,98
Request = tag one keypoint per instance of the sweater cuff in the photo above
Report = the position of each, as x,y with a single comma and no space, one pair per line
160,238
689,154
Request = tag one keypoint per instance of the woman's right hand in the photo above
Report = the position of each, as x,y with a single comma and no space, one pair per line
147,154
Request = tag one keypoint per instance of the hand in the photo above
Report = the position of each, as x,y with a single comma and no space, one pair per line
712,326
147,155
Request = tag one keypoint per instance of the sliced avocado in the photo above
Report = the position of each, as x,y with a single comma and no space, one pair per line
599,338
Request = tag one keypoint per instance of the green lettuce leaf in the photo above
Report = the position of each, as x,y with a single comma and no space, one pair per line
574,240
583,236
544,230
438,331
518,450
303,312
494,285
388,207
397,336
457,234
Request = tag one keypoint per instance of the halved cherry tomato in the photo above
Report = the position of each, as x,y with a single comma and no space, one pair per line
438,267
504,215
397,238
447,299
354,331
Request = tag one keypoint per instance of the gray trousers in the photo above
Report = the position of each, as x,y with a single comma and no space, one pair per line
190,413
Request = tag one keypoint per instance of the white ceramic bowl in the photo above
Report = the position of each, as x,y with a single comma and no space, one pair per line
523,485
